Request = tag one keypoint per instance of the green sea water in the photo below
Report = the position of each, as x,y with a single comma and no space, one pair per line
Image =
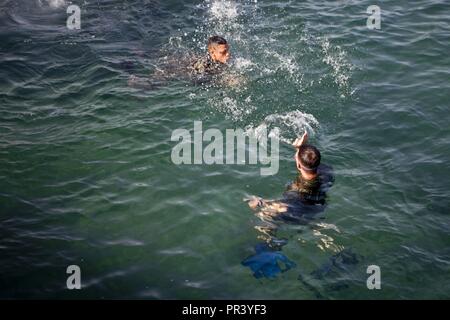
86,176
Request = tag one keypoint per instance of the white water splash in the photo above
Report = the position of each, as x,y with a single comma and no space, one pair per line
287,63
53,3
336,58
264,61
232,108
223,10
243,64
282,126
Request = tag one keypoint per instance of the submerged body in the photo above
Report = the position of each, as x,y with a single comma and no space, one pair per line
301,201
310,187
301,198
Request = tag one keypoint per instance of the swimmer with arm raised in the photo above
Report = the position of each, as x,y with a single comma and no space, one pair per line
276,206
307,161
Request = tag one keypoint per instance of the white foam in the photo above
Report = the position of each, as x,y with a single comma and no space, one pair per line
282,126
287,63
54,3
223,10
243,64
232,109
336,58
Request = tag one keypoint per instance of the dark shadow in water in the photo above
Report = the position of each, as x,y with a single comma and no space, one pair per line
329,272
339,261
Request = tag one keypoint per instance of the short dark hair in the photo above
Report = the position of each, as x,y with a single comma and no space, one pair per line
215,40
309,157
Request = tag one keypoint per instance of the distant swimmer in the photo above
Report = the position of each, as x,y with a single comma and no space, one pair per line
217,56
306,192
213,67
187,66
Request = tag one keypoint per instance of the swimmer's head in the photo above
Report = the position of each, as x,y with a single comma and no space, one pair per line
218,49
308,158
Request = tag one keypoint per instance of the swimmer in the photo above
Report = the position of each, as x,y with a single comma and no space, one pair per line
307,160
216,57
184,66
214,63
308,188
302,200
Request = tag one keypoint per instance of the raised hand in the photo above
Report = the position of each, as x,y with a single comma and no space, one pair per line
300,141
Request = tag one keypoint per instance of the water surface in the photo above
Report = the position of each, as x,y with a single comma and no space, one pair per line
86,176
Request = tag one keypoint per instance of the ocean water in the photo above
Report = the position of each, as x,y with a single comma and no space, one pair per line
86,176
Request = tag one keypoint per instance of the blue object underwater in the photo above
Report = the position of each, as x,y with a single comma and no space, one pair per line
265,263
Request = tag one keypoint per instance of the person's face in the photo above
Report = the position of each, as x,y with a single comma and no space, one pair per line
220,52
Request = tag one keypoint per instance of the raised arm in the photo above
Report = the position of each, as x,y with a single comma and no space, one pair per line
301,141
297,144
